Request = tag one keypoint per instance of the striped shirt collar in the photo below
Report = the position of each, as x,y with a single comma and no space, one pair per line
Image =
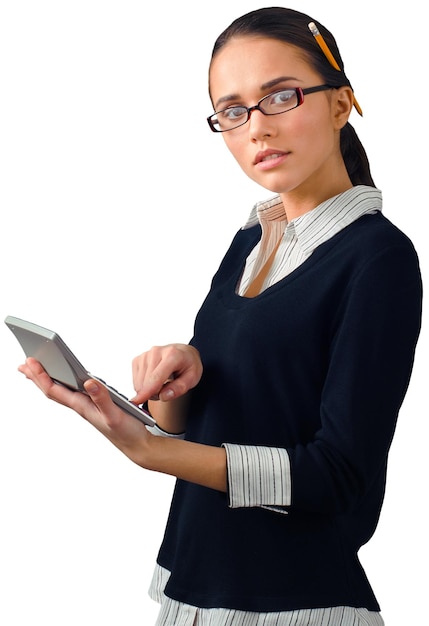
323,222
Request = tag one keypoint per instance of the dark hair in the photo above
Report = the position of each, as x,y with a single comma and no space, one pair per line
292,27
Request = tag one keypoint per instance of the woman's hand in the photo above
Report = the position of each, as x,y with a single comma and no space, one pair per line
124,431
194,462
166,372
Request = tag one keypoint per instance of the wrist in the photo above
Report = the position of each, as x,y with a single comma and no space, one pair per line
193,462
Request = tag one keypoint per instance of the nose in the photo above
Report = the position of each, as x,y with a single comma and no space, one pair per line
260,125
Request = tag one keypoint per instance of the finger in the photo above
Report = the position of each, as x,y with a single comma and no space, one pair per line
156,396
35,372
176,385
152,369
166,372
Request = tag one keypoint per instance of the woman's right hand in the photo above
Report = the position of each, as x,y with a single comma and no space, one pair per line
166,372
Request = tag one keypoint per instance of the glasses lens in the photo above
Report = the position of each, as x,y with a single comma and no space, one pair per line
279,102
274,103
229,118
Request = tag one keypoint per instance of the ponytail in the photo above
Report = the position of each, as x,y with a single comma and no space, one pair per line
355,158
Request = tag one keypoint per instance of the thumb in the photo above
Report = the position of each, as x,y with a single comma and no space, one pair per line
98,393
100,397
92,387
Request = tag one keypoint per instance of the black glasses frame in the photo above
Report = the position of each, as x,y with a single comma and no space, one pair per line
300,93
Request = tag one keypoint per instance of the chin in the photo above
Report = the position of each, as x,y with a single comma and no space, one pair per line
276,182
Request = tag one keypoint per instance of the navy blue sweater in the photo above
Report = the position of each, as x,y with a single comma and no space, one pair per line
319,364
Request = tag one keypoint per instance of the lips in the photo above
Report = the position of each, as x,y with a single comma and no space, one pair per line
267,159
268,155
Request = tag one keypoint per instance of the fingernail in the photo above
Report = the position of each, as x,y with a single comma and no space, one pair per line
92,388
167,395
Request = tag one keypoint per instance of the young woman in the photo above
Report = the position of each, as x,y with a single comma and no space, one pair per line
289,391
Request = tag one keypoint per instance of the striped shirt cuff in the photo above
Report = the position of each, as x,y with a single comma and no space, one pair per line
258,476
158,432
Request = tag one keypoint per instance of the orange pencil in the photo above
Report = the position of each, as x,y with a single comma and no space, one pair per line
328,54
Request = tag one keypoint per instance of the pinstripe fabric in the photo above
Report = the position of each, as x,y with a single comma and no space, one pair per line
260,476
304,234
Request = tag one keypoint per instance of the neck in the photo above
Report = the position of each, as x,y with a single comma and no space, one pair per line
308,196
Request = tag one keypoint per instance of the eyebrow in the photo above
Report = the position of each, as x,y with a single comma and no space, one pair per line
268,85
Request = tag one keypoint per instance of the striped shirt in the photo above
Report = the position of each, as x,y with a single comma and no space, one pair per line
258,475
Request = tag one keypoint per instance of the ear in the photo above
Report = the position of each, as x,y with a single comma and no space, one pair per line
342,104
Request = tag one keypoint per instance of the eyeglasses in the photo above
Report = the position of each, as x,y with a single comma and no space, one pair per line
272,104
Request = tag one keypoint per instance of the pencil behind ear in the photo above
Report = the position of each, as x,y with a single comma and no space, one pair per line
328,54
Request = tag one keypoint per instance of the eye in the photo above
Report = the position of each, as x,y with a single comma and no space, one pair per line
232,114
279,101
281,98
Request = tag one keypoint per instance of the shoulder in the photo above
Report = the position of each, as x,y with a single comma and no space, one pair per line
375,234
370,251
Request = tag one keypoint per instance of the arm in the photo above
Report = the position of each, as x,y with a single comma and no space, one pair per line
257,476
204,465
370,364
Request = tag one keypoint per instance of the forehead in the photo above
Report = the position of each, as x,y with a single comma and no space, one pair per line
249,61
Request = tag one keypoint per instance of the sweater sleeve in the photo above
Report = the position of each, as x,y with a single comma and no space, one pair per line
371,358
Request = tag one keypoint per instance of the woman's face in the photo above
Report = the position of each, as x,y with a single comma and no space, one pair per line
294,152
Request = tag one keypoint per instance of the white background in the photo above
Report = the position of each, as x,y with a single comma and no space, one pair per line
103,185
